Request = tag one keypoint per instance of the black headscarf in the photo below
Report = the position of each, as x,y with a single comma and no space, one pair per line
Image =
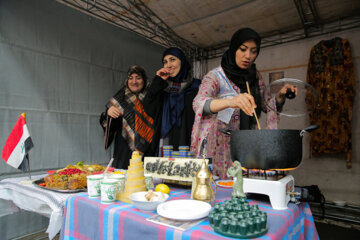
185,65
238,75
173,104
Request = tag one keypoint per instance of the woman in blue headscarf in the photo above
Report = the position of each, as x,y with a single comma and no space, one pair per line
169,100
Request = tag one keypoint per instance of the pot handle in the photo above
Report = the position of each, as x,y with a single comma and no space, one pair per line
309,129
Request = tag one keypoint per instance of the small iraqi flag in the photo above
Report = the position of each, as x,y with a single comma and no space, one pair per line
18,145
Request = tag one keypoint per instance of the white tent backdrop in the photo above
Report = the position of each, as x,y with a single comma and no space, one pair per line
60,67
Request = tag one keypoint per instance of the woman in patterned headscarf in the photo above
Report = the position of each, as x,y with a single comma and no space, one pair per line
223,103
169,100
126,121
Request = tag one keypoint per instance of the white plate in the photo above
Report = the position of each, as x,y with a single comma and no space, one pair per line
184,209
223,186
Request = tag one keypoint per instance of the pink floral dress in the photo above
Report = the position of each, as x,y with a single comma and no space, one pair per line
218,143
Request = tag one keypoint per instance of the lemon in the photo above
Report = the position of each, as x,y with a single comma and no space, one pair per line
162,188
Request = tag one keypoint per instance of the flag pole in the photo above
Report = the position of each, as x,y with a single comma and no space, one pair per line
28,161
27,154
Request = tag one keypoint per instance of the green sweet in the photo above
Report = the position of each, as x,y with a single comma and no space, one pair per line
224,224
263,221
240,216
232,215
233,226
217,207
211,217
243,228
224,214
216,220
246,207
237,208
247,214
254,208
229,207
251,225
221,208
258,224
253,214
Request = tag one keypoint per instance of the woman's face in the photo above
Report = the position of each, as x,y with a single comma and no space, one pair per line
246,54
135,83
172,64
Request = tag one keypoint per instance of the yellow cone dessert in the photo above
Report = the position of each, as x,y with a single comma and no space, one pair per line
135,180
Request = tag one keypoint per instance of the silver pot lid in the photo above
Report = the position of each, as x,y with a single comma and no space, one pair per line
298,104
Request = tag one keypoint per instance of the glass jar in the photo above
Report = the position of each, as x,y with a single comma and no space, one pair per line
149,182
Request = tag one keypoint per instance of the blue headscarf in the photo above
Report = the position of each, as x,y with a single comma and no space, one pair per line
185,65
173,104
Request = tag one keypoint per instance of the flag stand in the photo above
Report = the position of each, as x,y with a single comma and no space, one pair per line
28,161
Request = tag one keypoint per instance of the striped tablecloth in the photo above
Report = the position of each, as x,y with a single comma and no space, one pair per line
87,218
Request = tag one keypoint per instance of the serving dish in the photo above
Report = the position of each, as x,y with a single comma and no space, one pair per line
225,181
37,182
141,203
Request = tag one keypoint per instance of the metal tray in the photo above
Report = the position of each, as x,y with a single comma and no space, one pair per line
37,182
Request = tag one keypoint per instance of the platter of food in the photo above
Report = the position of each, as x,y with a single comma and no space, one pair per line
41,184
225,183
71,179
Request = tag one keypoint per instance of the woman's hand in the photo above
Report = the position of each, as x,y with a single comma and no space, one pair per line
113,112
245,102
163,73
281,95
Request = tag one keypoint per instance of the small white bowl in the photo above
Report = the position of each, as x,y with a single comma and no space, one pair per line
340,203
141,203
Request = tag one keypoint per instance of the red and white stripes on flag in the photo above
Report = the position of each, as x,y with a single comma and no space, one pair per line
18,145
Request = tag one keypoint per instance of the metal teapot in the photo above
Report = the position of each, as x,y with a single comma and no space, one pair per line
203,190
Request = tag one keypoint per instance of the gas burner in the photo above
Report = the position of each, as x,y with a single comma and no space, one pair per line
278,190
272,175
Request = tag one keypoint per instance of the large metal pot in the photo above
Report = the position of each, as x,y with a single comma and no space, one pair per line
268,149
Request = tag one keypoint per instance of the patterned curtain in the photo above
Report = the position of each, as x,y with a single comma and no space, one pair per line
331,73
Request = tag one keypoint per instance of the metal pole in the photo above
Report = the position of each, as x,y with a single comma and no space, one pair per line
27,158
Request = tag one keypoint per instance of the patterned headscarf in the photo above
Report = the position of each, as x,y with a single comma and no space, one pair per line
137,126
139,71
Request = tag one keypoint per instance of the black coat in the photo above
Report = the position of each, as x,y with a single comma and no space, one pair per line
153,105
122,152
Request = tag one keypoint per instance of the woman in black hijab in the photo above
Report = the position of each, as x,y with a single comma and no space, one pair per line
223,102
169,100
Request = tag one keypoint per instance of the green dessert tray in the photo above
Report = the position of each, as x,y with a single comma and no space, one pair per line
237,219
